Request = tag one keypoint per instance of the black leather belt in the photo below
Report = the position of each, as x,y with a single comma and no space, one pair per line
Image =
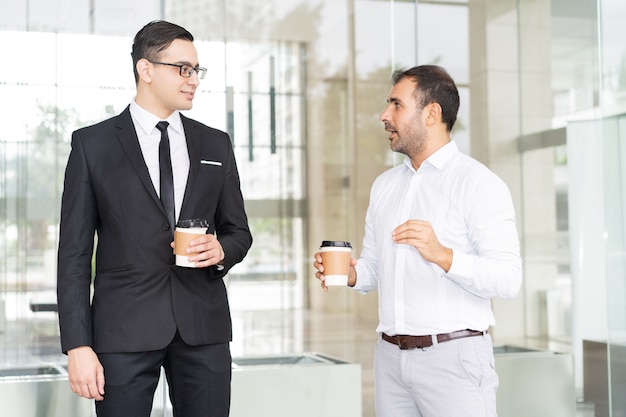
405,342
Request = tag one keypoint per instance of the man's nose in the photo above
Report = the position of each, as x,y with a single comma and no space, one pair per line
384,116
194,79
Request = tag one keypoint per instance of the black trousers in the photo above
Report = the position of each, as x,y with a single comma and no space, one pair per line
198,377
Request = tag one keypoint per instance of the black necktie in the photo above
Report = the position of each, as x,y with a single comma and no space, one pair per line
165,169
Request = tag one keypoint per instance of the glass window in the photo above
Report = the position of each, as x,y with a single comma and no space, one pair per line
60,94
449,26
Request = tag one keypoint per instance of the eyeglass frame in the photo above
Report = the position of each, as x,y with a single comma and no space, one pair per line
200,71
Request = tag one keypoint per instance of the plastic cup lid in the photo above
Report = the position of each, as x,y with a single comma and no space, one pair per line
192,223
336,244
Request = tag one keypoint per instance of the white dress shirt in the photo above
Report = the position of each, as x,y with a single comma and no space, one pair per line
149,139
471,212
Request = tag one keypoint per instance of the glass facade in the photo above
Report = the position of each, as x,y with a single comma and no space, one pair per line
299,85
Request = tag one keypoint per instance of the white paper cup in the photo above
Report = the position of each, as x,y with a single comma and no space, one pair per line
336,260
182,237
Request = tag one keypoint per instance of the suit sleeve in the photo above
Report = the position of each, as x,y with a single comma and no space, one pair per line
76,242
231,220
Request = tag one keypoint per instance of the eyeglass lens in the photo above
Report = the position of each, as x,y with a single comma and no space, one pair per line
187,71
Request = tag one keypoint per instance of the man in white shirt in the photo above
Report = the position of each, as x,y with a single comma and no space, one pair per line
440,242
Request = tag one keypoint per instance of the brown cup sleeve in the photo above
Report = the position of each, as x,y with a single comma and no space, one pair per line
181,242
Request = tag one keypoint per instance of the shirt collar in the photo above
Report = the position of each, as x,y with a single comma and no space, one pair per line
148,121
439,158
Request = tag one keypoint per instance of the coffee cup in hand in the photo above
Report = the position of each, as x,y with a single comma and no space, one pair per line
336,260
186,231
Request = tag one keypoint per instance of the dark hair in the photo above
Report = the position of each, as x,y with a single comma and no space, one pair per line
435,86
153,38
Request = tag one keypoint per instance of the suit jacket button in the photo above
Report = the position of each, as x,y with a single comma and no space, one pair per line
166,227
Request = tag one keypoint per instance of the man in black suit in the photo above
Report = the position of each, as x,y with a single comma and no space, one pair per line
145,312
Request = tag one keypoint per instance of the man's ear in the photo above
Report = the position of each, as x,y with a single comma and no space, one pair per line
144,70
433,114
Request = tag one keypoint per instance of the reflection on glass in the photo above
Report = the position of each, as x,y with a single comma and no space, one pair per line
35,144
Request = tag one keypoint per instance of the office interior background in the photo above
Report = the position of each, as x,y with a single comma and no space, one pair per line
300,85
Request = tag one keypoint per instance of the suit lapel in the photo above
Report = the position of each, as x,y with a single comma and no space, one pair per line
127,135
193,149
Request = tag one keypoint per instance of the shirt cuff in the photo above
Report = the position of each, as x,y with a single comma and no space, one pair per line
462,268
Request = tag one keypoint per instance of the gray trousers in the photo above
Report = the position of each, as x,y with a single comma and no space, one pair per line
452,379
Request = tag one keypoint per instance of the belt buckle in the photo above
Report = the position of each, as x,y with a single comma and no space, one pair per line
402,342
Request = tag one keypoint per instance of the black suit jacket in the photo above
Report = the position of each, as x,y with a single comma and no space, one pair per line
140,298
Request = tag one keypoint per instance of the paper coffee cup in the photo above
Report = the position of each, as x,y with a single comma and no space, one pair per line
185,232
336,260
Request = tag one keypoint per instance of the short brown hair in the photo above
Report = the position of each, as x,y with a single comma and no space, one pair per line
153,38
435,85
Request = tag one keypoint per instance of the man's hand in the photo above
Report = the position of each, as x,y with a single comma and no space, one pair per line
85,373
205,250
420,235
317,264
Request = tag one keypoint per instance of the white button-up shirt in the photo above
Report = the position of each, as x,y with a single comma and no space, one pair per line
150,137
471,212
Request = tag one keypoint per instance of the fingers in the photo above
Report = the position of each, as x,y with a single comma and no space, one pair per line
85,373
205,251
100,384
90,391
317,264
201,243
211,256
412,225
319,274
322,279
91,386
412,231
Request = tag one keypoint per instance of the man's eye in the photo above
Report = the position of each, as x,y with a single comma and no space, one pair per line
187,70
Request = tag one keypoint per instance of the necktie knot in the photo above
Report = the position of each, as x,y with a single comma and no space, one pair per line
162,125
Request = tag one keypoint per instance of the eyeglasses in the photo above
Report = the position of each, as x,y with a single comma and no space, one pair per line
185,70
